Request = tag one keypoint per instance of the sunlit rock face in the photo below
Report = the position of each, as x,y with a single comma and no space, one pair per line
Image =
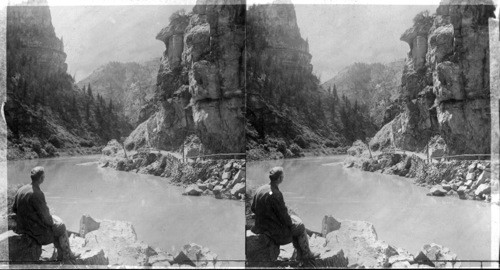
446,80
200,87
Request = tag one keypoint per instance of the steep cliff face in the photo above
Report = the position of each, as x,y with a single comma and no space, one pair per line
200,88
35,37
445,82
45,111
285,105
128,86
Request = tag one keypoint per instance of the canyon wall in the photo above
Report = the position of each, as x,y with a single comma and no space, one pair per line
286,109
45,111
445,83
200,83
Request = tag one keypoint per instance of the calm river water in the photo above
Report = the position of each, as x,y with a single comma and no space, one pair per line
400,211
162,217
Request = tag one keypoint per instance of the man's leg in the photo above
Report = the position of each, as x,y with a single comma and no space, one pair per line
61,240
301,240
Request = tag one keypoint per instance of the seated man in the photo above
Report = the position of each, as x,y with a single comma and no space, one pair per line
273,220
34,219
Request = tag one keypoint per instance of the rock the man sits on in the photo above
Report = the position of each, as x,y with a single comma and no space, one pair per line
273,220
34,219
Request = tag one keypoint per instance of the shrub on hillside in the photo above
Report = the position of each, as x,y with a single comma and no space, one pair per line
296,150
50,149
301,141
55,141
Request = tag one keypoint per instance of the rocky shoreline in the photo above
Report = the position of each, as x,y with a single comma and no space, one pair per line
108,243
341,244
48,151
346,243
274,153
221,178
464,179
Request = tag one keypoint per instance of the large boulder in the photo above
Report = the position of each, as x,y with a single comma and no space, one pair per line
88,224
437,190
261,251
193,190
360,244
483,189
357,148
21,248
112,148
119,242
329,224
432,254
197,256
238,189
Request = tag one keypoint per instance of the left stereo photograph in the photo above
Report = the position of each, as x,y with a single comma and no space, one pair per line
125,135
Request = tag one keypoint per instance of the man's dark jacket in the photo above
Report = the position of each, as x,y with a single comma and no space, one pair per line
271,214
32,214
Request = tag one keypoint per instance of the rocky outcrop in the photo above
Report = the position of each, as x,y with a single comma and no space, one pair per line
200,82
346,243
107,242
463,179
445,82
224,179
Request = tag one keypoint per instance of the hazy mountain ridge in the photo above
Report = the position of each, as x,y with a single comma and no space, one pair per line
376,85
130,86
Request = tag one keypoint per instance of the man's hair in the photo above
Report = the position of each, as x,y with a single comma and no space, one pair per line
36,173
275,173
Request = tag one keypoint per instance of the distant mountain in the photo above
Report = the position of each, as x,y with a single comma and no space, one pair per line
129,86
375,85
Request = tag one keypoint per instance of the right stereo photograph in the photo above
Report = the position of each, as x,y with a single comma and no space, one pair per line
369,135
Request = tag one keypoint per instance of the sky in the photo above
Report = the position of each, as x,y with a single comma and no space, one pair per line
340,35
96,35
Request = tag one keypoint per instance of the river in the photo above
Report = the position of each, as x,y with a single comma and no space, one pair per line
400,211
161,216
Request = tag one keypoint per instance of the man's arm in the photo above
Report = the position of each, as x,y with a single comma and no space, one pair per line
281,210
42,209
253,203
14,205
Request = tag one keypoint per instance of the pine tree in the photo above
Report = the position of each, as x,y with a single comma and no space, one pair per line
110,106
335,94
89,91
